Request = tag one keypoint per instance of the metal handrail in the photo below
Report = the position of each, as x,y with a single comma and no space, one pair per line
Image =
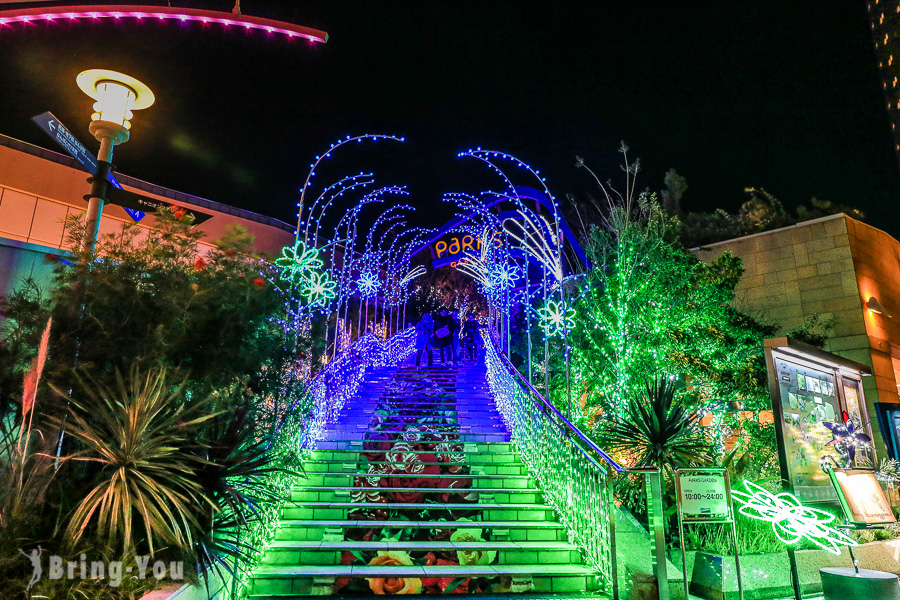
303,424
652,479
565,424
573,481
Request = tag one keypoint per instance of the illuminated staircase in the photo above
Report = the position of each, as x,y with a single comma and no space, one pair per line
417,490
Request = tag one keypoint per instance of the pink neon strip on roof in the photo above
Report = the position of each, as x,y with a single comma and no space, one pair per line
32,15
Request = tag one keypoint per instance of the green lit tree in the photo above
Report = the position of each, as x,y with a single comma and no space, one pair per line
650,307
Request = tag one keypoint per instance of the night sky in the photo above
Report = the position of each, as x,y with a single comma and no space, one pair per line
784,96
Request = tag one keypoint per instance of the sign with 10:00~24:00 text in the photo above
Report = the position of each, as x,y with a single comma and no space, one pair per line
703,496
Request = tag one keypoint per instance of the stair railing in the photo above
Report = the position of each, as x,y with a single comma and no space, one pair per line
302,425
568,467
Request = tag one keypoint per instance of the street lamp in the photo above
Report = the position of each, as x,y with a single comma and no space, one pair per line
116,95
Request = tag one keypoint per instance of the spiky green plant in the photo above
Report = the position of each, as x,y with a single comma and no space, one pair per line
140,436
234,476
659,429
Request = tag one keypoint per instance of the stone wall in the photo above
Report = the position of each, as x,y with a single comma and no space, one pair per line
829,266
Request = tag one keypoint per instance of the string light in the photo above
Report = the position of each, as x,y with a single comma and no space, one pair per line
163,13
368,284
334,146
554,320
415,272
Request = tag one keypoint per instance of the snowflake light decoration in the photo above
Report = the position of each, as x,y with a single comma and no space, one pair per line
319,288
554,320
368,284
847,438
297,263
791,521
503,276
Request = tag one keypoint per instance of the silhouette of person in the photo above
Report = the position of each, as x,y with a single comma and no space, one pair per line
35,558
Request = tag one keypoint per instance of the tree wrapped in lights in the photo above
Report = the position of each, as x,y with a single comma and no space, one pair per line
650,306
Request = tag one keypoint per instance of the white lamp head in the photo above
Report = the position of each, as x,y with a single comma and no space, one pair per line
116,95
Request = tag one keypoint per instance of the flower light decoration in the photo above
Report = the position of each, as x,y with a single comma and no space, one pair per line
503,275
297,263
847,438
319,288
368,284
791,521
554,320
302,270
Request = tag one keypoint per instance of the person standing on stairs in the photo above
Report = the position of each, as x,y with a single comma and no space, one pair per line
443,333
424,332
470,336
454,343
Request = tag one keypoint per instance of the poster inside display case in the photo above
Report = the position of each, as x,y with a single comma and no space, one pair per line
811,387
808,400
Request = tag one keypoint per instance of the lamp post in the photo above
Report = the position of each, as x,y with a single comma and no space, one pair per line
116,95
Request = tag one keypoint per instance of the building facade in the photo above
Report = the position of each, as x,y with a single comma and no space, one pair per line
839,268
40,188
884,17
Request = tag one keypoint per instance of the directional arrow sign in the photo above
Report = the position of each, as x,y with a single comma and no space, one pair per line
62,136
139,202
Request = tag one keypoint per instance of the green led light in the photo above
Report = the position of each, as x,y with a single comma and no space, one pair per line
791,521
297,263
554,320
319,288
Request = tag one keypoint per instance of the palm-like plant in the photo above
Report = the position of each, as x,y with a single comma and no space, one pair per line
139,434
236,473
659,430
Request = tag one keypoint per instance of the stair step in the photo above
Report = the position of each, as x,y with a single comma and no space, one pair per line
412,546
417,476
464,427
489,450
422,505
421,414
352,464
400,524
317,488
462,437
349,444
421,571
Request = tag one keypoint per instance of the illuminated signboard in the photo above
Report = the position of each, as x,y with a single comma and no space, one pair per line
703,496
456,245
810,387
459,245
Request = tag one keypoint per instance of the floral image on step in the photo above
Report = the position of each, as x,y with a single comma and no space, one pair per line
415,468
